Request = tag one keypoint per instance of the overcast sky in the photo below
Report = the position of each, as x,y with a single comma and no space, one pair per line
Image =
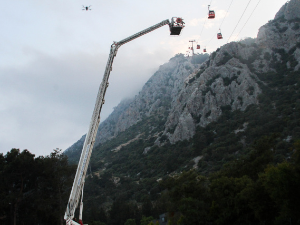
53,55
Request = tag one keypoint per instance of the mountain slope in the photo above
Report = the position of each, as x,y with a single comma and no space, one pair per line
202,115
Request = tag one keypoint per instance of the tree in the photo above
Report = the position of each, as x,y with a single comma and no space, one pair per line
130,222
19,177
230,200
282,184
34,190
146,220
54,186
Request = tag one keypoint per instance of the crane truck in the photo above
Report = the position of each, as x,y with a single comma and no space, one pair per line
175,25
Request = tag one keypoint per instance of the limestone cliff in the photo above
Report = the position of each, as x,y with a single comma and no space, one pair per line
191,92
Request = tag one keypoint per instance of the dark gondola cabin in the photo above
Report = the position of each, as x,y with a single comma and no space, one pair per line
219,36
198,46
211,14
204,50
176,25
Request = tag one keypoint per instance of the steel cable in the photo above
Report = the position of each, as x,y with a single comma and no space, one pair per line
239,20
247,20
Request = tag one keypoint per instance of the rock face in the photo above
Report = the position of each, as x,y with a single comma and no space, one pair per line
222,81
191,92
154,98
284,30
290,10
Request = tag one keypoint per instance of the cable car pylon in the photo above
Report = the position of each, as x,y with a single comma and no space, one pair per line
192,46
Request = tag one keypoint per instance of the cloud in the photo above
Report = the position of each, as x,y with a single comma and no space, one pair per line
220,14
208,23
48,102
234,37
196,22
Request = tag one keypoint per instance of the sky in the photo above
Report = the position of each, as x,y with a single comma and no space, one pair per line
53,56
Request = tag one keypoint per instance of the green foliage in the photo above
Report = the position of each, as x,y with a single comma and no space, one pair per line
146,220
229,200
192,80
199,73
213,55
295,26
258,157
34,190
227,80
130,222
199,58
208,114
240,99
97,223
252,191
281,68
250,90
179,57
282,30
204,92
210,81
267,56
187,67
226,57
249,62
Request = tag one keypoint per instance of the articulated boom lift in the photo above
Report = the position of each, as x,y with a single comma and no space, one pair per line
175,26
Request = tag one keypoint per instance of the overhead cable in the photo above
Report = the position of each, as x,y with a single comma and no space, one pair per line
247,20
239,20
221,22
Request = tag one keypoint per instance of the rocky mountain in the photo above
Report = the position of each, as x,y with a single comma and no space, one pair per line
190,92
187,93
239,104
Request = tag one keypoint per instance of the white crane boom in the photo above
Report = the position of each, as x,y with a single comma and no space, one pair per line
175,25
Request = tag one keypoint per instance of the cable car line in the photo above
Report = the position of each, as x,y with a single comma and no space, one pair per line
219,34
247,19
203,28
226,14
204,22
239,20
221,22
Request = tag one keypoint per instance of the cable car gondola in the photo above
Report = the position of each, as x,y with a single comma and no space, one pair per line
219,35
198,46
204,50
211,13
